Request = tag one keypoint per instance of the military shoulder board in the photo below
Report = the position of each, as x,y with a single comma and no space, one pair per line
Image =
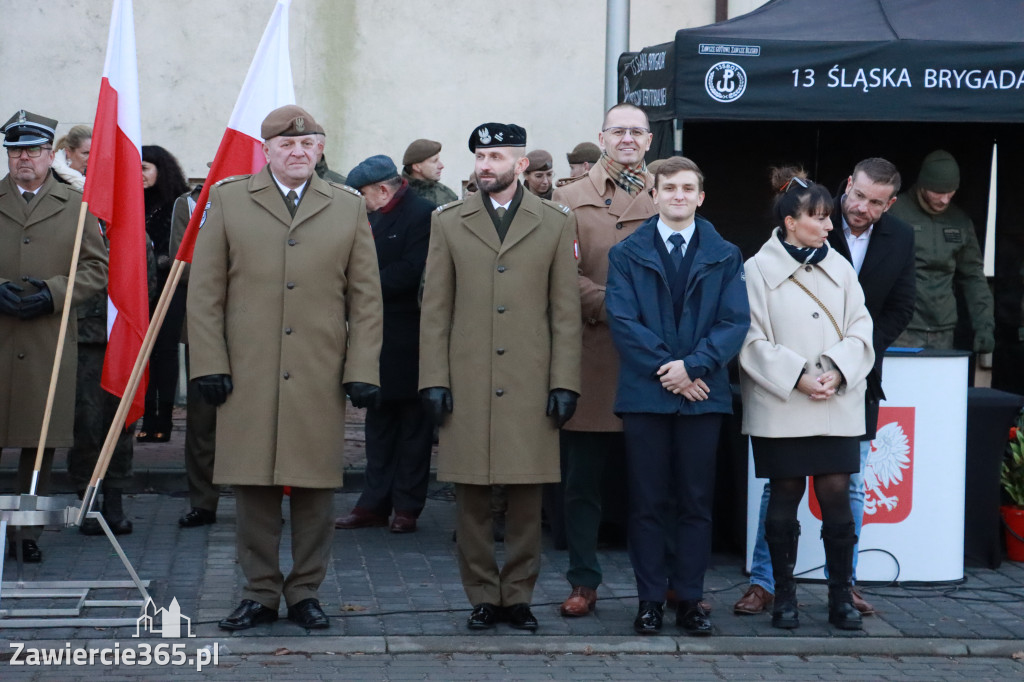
442,207
230,178
350,190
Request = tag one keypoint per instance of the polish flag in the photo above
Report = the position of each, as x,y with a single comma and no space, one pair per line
267,86
113,190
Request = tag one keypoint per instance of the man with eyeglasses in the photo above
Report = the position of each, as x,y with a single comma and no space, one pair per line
38,223
610,202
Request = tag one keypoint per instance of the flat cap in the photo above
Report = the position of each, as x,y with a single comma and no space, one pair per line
497,135
939,172
289,121
420,150
540,160
369,171
26,129
584,152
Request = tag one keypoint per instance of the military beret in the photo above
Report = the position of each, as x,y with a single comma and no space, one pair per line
540,160
584,152
939,173
497,135
26,129
374,169
420,150
289,121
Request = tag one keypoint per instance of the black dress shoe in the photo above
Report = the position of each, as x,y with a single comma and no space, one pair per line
520,617
648,618
484,617
30,551
308,614
693,617
197,517
248,614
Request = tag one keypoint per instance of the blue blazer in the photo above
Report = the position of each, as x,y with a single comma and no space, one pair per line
710,331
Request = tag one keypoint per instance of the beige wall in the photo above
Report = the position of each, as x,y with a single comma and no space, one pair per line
376,74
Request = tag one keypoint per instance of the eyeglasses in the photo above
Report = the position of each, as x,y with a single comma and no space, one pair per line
621,132
31,152
794,182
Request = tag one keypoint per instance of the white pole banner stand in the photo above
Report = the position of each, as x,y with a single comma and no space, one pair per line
914,479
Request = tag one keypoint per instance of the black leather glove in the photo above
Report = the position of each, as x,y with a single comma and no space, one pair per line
39,303
562,405
215,388
438,400
10,302
363,395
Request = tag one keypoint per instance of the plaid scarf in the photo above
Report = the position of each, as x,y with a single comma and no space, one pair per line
629,178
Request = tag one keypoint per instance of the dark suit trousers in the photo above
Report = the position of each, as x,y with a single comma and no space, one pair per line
399,436
670,461
200,447
483,582
258,530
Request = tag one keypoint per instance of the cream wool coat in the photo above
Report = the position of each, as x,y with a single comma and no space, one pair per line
500,327
789,332
291,308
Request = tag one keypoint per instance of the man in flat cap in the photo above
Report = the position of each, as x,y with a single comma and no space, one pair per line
421,168
948,257
38,223
399,432
581,159
499,365
537,176
284,318
610,202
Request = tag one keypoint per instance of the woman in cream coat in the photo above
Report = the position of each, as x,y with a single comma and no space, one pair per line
802,372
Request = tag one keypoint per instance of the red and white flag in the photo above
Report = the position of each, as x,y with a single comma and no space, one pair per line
267,86
113,190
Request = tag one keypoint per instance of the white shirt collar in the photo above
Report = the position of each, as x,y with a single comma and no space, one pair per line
495,205
285,190
665,231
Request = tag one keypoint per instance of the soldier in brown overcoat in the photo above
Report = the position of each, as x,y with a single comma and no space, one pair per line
38,222
500,351
284,310
610,202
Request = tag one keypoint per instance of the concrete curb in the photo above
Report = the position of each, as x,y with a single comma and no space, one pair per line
540,644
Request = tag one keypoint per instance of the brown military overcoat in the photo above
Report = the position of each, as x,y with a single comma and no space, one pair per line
500,327
605,215
37,240
290,307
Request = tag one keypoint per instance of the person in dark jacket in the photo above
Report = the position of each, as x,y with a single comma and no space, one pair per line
399,433
678,313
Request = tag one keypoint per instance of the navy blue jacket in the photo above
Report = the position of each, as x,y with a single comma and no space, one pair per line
710,332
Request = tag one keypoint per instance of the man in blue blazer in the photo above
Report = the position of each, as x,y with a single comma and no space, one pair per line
678,313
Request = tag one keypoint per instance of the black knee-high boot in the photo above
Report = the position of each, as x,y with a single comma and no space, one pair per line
783,538
839,540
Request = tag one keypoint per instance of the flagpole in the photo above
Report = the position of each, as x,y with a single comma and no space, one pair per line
64,316
117,425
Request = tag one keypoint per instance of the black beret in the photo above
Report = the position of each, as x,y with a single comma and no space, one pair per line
374,169
497,135
289,121
26,129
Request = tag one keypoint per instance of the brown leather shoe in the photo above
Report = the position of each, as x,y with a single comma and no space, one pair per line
403,523
756,600
581,601
360,518
861,605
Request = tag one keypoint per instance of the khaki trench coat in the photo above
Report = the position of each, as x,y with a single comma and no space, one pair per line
790,332
500,327
291,309
600,227
37,240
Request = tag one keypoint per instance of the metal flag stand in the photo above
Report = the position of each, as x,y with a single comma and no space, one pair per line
31,510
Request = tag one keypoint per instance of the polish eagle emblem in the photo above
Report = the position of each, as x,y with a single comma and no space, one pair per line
889,457
484,135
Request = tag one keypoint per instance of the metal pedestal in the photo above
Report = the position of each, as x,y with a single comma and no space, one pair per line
35,511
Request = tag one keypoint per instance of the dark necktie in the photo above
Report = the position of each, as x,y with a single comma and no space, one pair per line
677,242
290,200
500,212
28,196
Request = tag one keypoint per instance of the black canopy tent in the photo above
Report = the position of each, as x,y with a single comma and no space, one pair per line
826,83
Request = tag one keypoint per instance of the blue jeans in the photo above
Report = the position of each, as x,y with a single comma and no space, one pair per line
761,562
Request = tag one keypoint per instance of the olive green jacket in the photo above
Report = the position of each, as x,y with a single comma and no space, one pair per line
431,191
